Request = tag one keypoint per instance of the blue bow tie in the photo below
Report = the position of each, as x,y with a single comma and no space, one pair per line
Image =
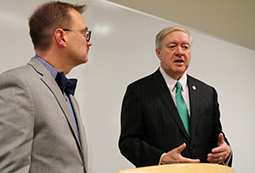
66,85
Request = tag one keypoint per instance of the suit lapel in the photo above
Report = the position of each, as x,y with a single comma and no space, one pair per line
194,103
161,88
81,127
50,82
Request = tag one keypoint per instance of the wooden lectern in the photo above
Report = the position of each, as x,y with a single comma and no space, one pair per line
182,168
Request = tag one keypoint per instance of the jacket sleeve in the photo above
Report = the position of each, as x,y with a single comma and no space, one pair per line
16,124
131,142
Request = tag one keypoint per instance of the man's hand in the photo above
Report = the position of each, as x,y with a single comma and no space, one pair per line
220,153
174,156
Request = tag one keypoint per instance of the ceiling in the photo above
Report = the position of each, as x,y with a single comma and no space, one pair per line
230,20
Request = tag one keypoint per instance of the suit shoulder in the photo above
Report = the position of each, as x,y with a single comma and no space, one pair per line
15,76
142,81
192,80
18,70
24,74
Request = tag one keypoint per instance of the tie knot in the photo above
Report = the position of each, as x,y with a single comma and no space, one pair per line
66,85
178,85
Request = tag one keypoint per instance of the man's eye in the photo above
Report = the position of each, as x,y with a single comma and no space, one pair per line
186,47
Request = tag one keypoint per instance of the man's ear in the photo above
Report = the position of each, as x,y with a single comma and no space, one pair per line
158,53
60,37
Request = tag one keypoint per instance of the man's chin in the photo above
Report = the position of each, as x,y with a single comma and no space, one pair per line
85,60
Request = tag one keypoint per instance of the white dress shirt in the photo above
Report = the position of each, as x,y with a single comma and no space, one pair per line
170,82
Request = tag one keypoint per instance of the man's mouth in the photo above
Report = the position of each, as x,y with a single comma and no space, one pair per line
179,61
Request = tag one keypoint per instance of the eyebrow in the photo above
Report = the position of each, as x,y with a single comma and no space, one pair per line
178,43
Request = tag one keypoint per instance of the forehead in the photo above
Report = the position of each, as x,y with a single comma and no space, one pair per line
77,20
177,37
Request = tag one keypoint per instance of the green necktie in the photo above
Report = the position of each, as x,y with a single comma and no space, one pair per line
181,106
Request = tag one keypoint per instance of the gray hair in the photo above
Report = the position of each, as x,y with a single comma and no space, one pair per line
164,32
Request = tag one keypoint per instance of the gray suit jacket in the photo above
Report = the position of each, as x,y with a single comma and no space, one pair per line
37,130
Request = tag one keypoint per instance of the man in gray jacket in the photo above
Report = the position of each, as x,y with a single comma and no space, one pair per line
40,123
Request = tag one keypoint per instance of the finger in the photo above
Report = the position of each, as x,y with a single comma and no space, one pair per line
215,155
221,139
181,148
216,160
221,148
187,160
212,159
217,150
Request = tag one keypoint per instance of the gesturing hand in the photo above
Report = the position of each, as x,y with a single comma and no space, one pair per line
174,156
220,153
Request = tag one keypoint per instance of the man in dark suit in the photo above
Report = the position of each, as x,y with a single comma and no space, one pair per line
40,123
153,128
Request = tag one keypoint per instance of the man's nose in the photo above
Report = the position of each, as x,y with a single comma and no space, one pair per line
179,51
89,43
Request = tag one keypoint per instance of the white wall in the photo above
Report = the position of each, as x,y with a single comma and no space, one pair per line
123,51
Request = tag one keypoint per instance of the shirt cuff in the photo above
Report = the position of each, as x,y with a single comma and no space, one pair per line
160,159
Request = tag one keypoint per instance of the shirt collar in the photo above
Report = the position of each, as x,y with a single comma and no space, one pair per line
171,81
49,67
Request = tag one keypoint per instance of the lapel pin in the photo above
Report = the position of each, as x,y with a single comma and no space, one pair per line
194,87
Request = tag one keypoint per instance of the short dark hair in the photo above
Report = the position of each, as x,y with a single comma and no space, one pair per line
47,18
